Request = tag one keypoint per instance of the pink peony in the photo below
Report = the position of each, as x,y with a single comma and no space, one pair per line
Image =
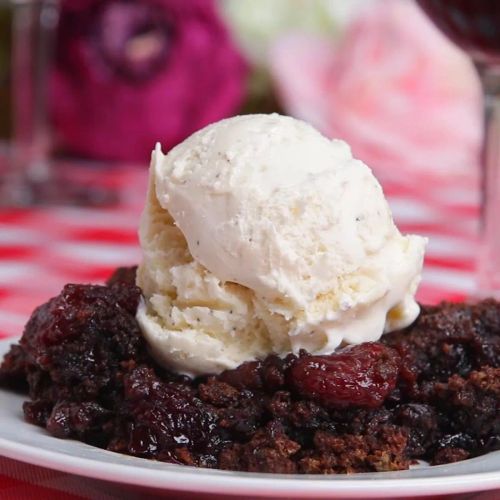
128,74
399,92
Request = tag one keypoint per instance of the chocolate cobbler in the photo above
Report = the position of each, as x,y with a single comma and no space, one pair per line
430,391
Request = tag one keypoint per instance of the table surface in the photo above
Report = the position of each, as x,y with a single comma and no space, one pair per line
42,249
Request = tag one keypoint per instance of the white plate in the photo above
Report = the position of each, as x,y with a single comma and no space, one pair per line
32,444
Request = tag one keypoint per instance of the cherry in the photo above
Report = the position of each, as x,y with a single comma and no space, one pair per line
359,376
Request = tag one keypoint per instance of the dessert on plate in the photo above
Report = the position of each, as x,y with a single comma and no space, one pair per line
271,325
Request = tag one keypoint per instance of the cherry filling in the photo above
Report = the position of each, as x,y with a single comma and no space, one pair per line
358,376
431,391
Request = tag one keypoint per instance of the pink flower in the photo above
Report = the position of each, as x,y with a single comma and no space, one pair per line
395,89
128,74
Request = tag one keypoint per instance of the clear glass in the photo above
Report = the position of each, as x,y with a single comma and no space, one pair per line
29,175
488,264
33,31
474,25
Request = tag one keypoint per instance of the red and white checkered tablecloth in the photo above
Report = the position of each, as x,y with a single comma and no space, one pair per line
42,249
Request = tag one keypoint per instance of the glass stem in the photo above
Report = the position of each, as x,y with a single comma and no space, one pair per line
488,265
34,25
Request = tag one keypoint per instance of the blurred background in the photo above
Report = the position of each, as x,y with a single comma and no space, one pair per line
88,86
102,80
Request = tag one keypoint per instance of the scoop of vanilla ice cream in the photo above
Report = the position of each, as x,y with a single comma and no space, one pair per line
262,236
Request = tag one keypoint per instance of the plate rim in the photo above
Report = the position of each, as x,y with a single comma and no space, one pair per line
210,481
173,477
